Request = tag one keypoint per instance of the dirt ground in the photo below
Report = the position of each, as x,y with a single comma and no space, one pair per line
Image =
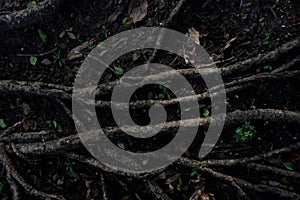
255,44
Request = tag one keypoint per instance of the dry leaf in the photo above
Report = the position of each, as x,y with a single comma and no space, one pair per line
138,10
161,3
46,62
172,179
75,53
29,125
115,15
62,34
194,35
71,35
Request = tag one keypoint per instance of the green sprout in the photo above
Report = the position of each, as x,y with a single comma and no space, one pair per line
57,126
2,123
42,35
245,132
33,60
127,23
31,4
59,59
268,67
105,31
195,174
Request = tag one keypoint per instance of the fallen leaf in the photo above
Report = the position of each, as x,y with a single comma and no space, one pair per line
113,17
75,53
194,35
71,35
138,10
88,184
161,3
62,34
46,62
172,179
29,125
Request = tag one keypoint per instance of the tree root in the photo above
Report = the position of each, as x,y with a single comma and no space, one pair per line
29,16
28,188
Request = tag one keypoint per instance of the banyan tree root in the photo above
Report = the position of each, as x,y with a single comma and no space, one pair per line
29,16
28,146
12,172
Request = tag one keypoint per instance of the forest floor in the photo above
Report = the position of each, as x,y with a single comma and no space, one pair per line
256,46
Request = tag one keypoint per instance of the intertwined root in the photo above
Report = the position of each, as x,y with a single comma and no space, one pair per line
29,146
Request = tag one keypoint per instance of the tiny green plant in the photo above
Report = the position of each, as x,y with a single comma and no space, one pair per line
70,171
42,35
135,56
33,60
31,4
57,126
245,132
34,179
1,186
268,67
2,123
195,174
59,59
150,95
244,15
262,22
165,92
127,23
266,41
58,180
105,31
284,180
289,166
78,38
119,70
206,112
179,184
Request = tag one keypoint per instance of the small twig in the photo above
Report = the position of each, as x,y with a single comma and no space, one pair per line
37,54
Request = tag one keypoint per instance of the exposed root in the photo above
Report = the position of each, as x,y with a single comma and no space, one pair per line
236,117
154,189
13,186
241,183
28,16
37,89
28,188
104,187
256,158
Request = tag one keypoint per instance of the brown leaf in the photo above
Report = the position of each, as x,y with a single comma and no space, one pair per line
172,179
29,125
62,34
75,53
138,10
160,3
46,62
71,35
113,17
194,35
